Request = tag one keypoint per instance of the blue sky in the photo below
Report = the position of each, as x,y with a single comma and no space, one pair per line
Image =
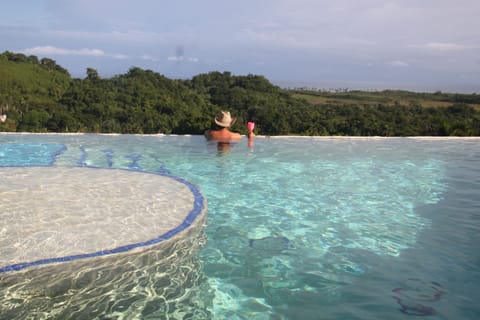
422,45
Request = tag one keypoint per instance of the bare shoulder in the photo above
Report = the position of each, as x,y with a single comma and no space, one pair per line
235,136
208,134
223,135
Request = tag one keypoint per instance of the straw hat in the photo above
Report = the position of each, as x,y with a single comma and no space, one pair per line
224,119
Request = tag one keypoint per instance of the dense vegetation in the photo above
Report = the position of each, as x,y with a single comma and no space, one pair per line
38,95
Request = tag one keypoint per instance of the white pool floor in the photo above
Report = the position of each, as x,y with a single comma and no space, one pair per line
55,212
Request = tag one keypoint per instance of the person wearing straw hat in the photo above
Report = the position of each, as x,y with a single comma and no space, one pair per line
224,120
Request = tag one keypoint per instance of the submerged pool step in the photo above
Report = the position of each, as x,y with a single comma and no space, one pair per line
57,214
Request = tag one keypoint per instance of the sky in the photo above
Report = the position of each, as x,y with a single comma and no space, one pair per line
418,45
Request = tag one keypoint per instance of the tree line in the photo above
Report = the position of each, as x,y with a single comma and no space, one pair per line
37,95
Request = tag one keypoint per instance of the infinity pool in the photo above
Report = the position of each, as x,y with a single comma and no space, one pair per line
298,228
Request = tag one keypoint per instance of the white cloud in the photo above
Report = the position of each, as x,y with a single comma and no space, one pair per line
119,56
51,50
443,46
399,64
149,57
174,58
182,58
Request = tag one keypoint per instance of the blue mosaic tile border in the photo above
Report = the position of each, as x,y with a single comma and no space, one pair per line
198,206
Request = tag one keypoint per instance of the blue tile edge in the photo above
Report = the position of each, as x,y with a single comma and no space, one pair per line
198,206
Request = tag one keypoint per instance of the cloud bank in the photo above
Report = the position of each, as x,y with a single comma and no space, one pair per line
436,42
54,51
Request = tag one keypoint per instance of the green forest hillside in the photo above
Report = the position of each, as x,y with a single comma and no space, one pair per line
37,95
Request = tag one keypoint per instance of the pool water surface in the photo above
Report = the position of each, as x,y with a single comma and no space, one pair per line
300,228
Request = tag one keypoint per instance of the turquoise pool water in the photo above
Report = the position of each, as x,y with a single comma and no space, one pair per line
310,228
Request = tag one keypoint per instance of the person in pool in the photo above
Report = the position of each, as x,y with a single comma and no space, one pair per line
223,134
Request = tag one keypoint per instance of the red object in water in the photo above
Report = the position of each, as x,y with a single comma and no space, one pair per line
250,126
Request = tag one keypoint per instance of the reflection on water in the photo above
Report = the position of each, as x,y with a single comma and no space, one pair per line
224,148
161,282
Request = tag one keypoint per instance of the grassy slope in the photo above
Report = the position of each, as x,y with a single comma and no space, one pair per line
32,79
389,98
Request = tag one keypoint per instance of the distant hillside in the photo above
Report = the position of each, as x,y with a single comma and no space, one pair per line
387,97
40,96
